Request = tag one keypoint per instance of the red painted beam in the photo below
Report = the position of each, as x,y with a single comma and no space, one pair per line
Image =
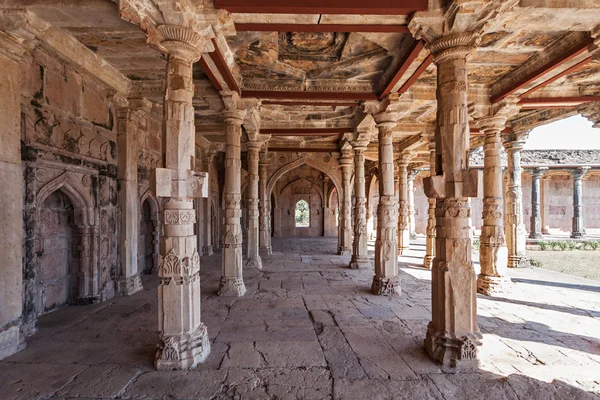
223,68
417,74
556,102
305,131
321,28
211,77
303,95
566,56
373,7
304,150
412,54
558,76
311,103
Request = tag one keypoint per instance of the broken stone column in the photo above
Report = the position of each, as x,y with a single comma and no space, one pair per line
184,338
535,231
430,240
11,204
578,176
403,208
207,248
232,282
345,239
265,205
254,259
131,118
493,254
514,228
452,335
386,280
360,257
412,174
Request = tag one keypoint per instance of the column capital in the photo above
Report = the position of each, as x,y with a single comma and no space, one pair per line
579,173
514,141
454,46
403,160
254,146
184,43
412,174
538,171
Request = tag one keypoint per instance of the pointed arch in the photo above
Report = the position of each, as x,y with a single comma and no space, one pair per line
153,202
313,185
68,184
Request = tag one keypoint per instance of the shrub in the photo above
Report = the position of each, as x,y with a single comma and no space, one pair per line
572,245
562,244
535,262
594,244
476,244
543,245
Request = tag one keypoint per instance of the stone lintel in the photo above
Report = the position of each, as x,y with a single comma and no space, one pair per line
435,187
194,184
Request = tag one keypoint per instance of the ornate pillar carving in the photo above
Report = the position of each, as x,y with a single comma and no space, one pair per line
184,338
514,227
345,239
265,205
493,254
254,259
386,280
207,248
578,175
403,207
360,257
411,203
430,240
535,231
452,335
232,282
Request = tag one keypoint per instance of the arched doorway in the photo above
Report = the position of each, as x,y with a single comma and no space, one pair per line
146,240
59,261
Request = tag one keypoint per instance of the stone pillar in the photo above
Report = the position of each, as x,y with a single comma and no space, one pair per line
535,231
253,202
265,206
452,335
276,221
11,204
360,256
386,280
207,248
493,254
578,175
514,227
232,282
411,203
430,240
184,338
345,239
130,119
403,208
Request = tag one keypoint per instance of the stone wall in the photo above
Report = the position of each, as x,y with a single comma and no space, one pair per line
68,145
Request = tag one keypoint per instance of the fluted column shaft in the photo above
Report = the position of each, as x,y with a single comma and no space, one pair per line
386,280
430,240
493,253
265,206
403,207
232,282
345,239
535,231
514,227
360,257
578,175
254,259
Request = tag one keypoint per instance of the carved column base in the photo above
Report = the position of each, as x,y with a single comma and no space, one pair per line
208,250
255,262
385,286
182,351
10,341
518,262
453,354
344,251
577,235
537,236
359,263
231,286
129,286
266,250
428,261
492,285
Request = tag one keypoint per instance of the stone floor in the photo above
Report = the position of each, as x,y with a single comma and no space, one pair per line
309,329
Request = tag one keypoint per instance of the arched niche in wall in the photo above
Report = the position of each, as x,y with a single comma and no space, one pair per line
149,245
301,190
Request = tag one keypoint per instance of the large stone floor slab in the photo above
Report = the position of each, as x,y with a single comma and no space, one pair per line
308,328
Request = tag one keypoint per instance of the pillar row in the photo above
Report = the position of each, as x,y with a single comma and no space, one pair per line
403,205
253,255
578,175
360,257
265,206
412,174
535,231
208,248
345,239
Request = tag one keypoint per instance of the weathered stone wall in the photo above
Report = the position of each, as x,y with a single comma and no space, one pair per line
69,144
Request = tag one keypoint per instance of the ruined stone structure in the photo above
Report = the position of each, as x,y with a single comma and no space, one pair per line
141,135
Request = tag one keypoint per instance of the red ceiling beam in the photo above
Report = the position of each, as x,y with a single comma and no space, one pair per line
563,58
373,7
304,131
417,74
211,76
412,54
321,28
558,76
557,102
303,95
304,150
310,103
223,68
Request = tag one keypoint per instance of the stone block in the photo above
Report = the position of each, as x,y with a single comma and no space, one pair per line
62,90
55,294
95,106
33,78
54,265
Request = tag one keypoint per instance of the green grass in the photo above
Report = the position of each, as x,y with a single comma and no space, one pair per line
575,262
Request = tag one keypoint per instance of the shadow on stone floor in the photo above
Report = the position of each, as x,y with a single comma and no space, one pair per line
545,306
559,284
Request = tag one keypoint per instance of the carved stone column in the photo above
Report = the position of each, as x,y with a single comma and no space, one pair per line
184,338
232,282
578,175
360,257
265,206
131,118
345,239
208,249
386,280
403,208
514,227
535,231
452,335
253,202
411,203
493,254
430,240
